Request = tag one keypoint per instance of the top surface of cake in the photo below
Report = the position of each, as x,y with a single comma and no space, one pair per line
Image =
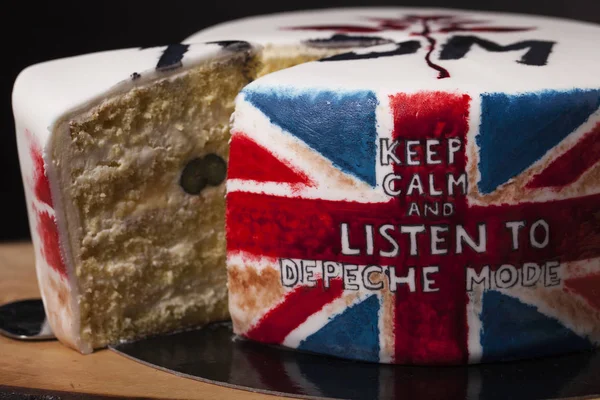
58,87
480,51
394,23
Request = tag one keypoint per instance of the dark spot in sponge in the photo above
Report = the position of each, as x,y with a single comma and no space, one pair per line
198,173
215,169
192,178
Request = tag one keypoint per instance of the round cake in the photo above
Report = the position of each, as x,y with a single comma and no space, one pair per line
409,186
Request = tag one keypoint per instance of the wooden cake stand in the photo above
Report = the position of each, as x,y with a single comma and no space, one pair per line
48,369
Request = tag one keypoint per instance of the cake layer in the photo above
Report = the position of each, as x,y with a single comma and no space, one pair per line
125,189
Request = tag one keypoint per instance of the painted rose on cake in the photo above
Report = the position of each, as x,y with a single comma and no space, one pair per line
431,26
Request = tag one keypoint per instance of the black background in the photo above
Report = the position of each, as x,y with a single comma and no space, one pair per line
33,33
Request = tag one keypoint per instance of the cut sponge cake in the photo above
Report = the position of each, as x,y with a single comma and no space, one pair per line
130,230
148,247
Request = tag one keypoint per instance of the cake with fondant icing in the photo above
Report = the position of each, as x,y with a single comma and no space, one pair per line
411,186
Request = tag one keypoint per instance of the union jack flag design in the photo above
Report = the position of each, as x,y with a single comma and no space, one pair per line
424,228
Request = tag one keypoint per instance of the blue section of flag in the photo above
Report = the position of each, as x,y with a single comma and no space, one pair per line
510,327
339,125
352,334
517,130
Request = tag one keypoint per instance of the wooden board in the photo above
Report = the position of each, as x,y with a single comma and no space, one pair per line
28,367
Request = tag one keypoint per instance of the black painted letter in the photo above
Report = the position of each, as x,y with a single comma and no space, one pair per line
402,48
537,53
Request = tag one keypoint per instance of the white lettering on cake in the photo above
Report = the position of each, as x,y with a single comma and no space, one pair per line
383,231
551,277
408,279
289,272
483,277
546,232
346,249
506,277
411,152
418,152
514,227
331,270
454,146
430,152
531,273
432,190
428,282
463,237
308,271
387,152
413,231
389,186
436,240
367,279
350,272
461,182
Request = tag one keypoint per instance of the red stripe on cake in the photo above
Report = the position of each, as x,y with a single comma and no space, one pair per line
587,287
274,226
432,325
254,162
48,233
310,229
41,185
297,306
571,165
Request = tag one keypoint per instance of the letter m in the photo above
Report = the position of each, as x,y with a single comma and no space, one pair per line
537,52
